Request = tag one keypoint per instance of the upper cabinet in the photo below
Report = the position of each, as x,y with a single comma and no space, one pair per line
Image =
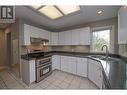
122,25
84,36
54,38
32,31
75,37
68,38
26,33
72,37
61,38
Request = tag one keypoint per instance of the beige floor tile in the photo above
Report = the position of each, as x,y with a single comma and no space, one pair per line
38,87
44,84
71,86
64,85
57,82
14,86
92,86
52,87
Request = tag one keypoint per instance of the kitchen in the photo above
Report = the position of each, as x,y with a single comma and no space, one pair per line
82,48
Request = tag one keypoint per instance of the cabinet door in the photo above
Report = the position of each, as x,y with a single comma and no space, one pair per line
95,72
61,38
34,32
68,38
26,35
25,71
72,63
75,37
82,67
64,63
54,38
84,36
32,71
122,25
56,62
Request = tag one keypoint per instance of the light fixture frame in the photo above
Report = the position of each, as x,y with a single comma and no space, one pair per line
64,15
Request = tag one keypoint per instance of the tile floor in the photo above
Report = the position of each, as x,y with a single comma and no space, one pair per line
57,80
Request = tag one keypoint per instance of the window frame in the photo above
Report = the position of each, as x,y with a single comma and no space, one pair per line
111,27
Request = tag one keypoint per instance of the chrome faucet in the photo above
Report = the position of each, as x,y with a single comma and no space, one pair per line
107,52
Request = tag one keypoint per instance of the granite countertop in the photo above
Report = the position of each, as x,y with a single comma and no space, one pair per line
115,72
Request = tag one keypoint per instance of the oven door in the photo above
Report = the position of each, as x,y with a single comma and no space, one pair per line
43,72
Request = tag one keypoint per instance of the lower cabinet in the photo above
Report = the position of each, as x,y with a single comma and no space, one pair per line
64,63
28,71
82,67
55,62
95,72
74,65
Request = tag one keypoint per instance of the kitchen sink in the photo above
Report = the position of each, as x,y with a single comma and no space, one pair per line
101,57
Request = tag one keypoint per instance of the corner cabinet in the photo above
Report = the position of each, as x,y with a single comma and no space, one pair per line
95,72
122,25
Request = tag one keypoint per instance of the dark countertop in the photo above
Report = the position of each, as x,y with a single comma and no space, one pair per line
115,72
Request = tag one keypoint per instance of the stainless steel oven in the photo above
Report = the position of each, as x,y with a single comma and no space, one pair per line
43,68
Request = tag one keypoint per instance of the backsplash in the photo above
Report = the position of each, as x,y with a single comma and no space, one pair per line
123,50
77,48
70,48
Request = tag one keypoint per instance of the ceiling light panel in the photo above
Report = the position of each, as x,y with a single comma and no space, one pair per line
36,6
67,9
51,11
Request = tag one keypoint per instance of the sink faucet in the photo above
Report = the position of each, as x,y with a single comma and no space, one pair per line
106,50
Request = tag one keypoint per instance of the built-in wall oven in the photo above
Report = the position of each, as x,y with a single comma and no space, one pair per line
43,68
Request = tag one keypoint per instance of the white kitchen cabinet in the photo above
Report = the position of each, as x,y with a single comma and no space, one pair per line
61,38
75,37
64,63
54,38
28,71
55,62
82,67
34,32
72,64
95,72
122,25
26,35
84,38
68,38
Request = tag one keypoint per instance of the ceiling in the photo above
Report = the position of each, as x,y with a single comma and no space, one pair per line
85,15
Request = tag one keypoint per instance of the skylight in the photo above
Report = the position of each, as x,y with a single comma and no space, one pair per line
69,9
35,6
51,12
54,12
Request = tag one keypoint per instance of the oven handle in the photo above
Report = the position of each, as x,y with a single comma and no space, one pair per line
43,66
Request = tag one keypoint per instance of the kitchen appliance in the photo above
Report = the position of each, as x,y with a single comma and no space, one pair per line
39,41
43,68
43,64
